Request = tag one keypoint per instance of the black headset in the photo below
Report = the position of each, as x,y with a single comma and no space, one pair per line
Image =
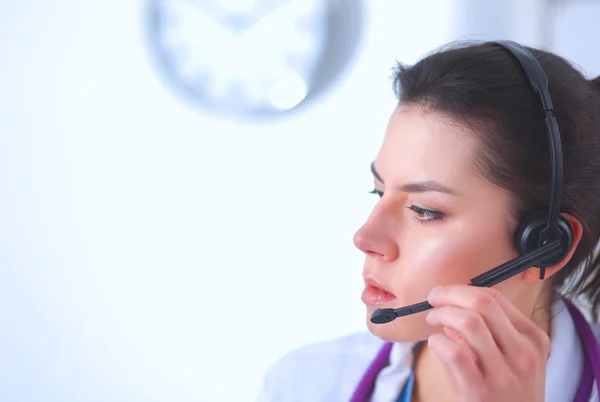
543,237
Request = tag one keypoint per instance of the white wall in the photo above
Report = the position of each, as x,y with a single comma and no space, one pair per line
576,34
149,252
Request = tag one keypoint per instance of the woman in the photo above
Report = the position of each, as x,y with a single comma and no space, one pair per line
464,158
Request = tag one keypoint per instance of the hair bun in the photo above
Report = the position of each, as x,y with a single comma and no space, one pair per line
595,83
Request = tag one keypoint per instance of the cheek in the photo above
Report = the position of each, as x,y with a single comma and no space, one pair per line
450,258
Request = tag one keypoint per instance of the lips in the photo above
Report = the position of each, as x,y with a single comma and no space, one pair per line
373,283
376,294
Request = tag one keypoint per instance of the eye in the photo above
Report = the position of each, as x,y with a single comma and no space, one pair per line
426,215
375,191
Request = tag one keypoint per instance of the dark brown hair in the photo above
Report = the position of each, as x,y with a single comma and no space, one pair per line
481,86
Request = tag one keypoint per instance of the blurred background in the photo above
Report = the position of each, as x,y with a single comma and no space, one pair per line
180,180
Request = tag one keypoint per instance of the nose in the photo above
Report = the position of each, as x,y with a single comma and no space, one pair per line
375,239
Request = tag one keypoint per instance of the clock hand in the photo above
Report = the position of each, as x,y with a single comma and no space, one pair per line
190,28
199,18
265,15
275,21
243,23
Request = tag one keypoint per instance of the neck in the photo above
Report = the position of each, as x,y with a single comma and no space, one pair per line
433,380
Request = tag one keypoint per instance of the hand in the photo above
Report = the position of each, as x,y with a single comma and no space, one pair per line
494,352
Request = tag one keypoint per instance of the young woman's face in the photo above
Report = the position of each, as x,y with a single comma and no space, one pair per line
437,222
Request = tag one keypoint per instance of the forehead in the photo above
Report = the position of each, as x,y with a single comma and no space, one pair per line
421,145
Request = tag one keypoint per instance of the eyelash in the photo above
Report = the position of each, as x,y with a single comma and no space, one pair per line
430,215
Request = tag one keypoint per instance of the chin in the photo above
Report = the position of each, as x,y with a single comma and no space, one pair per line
412,328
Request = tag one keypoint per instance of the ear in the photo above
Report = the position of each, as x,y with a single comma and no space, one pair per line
533,275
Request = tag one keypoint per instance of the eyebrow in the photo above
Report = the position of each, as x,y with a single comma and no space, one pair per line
417,187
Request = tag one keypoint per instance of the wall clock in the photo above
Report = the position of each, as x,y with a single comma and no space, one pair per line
252,58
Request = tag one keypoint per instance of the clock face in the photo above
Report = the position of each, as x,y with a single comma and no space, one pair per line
251,57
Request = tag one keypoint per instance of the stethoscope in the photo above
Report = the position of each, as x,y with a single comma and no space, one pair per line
591,363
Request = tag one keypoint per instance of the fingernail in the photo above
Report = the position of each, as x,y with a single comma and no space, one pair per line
433,292
430,318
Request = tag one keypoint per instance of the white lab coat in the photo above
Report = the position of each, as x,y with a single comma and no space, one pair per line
329,371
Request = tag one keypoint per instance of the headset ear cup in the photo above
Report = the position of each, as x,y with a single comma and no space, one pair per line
528,232
527,236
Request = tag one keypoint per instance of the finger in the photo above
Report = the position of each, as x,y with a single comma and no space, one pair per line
466,374
523,324
457,337
473,329
503,319
518,338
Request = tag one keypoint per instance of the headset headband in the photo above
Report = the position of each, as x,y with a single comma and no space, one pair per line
539,82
